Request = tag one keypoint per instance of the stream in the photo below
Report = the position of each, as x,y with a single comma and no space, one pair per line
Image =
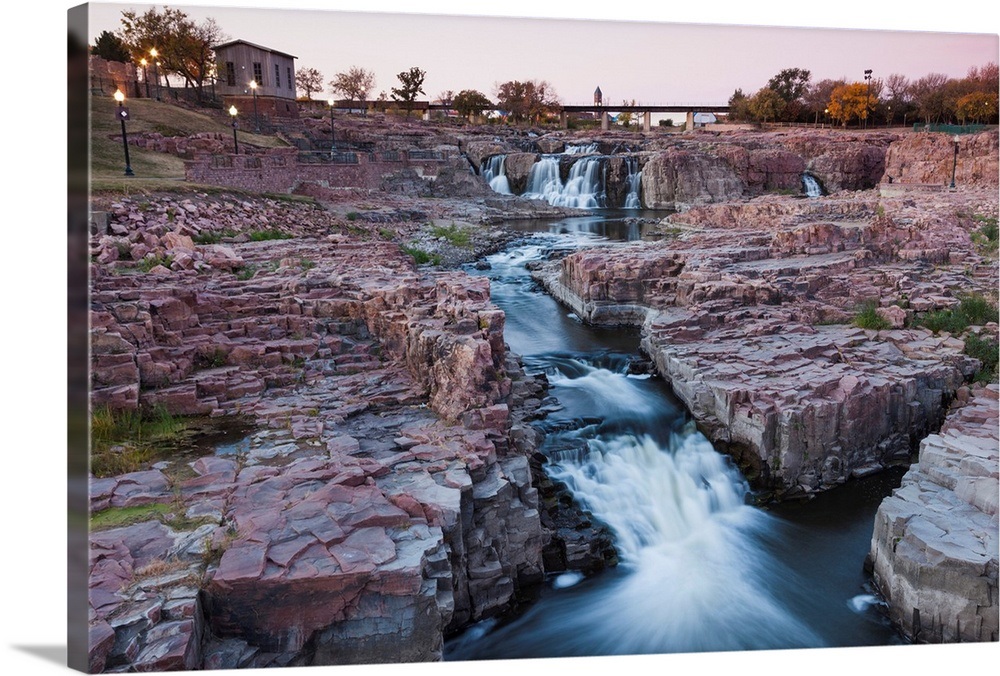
700,568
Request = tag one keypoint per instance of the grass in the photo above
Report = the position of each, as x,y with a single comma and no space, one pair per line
986,237
867,317
123,440
246,272
116,517
986,351
146,115
213,237
147,264
972,310
266,235
421,257
454,234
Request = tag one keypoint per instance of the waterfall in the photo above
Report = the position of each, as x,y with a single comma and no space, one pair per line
584,188
581,150
811,186
632,200
493,170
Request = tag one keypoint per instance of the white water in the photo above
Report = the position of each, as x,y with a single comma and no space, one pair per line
494,171
811,186
584,188
581,150
634,181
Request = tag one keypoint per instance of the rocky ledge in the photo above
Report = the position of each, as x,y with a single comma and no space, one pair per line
382,496
934,550
748,310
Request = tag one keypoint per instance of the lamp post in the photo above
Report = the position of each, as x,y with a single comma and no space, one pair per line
236,144
954,164
122,114
256,119
145,74
333,135
826,116
156,70
868,94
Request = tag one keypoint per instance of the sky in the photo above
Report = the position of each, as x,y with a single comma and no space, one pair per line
653,62
33,504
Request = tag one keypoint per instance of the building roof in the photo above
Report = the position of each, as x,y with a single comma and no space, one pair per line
256,46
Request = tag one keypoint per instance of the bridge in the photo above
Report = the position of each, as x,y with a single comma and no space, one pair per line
424,108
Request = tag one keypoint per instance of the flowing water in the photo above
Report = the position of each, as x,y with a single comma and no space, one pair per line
811,186
585,186
701,569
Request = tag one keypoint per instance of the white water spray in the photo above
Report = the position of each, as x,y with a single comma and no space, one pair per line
494,171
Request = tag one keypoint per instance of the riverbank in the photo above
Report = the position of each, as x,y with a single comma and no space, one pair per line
389,472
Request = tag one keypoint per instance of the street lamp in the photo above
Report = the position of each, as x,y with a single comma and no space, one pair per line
256,120
954,164
868,94
156,70
333,135
122,114
145,74
236,144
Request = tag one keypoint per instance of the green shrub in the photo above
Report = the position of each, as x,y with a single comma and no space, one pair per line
420,257
987,351
212,237
265,235
972,310
121,440
246,272
452,234
147,264
867,317
352,215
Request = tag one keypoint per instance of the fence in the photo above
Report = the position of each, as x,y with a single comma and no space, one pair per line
950,128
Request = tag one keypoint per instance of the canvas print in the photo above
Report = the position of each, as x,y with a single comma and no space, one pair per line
397,351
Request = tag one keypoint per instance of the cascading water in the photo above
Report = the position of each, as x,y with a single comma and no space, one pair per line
581,150
699,568
494,171
584,188
811,186
632,200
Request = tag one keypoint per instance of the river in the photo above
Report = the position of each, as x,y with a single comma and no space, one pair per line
700,568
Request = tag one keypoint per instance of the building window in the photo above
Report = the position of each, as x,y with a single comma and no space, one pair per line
277,76
230,74
288,72
258,74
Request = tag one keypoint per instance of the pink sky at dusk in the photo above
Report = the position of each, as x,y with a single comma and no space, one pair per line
649,61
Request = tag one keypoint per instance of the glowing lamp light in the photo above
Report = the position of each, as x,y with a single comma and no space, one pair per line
119,97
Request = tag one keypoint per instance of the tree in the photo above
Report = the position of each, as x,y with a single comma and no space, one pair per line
976,106
626,118
355,84
817,97
898,99
469,102
309,80
790,84
929,96
739,106
184,47
446,97
110,47
766,105
528,100
850,101
411,84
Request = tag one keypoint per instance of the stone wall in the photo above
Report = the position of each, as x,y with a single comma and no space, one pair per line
279,171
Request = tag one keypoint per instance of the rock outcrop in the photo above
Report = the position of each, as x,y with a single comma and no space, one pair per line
934,551
930,158
387,495
747,310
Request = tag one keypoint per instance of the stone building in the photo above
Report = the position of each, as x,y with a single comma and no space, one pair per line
239,63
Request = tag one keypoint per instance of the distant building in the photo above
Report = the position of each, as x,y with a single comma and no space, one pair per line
239,63
701,119
598,97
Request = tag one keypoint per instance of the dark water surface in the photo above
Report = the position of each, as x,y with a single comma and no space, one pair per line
701,570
